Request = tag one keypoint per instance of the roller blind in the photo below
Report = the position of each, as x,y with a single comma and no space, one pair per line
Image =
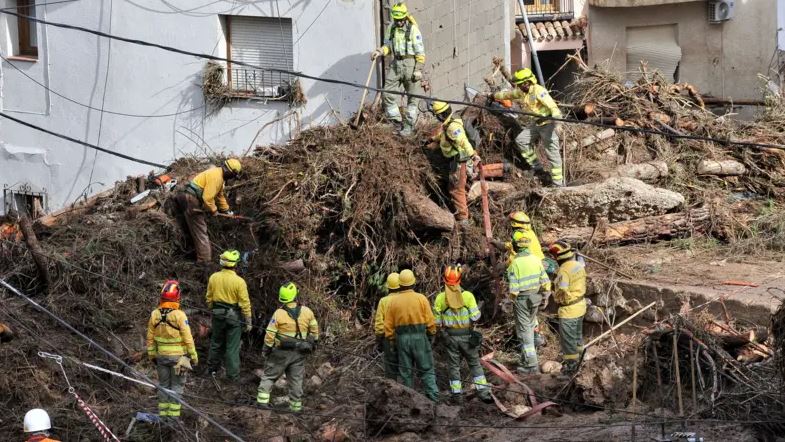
265,42
657,45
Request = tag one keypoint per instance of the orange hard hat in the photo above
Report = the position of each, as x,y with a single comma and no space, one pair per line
171,291
452,274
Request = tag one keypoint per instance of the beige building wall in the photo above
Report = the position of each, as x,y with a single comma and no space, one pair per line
722,60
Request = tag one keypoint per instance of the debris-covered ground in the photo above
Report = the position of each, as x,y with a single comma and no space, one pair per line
337,209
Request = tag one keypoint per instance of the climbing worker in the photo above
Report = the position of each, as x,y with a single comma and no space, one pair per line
569,292
37,425
409,323
387,347
227,297
456,146
170,346
291,336
528,283
535,99
455,311
403,41
202,196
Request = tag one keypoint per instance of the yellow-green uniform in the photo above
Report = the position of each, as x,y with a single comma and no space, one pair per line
291,329
227,297
527,283
539,102
202,195
409,321
456,146
534,244
168,338
456,316
406,46
569,295
390,353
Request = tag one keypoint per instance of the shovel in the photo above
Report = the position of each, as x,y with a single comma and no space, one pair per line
365,95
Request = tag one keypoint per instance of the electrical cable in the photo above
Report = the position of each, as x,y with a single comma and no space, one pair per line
375,89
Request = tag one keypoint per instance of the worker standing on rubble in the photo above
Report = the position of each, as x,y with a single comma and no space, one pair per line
202,196
291,336
528,283
455,311
569,294
227,297
387,347
409,323
170,346
403,41
535,99
37,425
456,146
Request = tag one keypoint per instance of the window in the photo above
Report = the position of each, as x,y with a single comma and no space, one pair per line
658,46
23,200
27,30
259,41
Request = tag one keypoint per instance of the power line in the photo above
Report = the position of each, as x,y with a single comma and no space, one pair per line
375,89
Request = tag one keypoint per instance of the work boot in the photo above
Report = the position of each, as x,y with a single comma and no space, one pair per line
264,406
396,125
485,396
569,368
539,341
527,371
406,130
456,399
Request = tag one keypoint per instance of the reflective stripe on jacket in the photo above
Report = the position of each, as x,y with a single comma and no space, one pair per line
571,287
164,338
534,245
400,46
526,274
211,184
409,308
452,318
227,287
453,140
282,324
537,101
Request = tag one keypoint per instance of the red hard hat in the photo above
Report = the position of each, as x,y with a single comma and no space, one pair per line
171,291
452,275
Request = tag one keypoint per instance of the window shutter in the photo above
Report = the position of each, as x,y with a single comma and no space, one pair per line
657,45
265,42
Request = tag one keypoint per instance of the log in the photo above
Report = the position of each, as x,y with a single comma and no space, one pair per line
651,171
616,121
660,117
596,138
424,214
494,187
723,168
38,255
650,228
77,209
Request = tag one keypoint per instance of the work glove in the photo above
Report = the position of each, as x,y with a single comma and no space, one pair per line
417,75
183,365
266,351
476,159
380,344
544,303
248,326
379,52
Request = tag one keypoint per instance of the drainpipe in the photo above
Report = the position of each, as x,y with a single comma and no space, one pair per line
537,68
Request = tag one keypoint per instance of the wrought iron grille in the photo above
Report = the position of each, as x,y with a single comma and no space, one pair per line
542,10
259,83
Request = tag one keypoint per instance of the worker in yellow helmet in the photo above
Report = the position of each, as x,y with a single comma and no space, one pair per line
202,196
291,336
569,294
403,41
387,347
528,283
227,297
535,99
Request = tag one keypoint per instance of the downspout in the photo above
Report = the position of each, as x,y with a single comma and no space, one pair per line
537,68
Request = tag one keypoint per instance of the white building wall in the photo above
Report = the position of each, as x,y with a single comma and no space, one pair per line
332,40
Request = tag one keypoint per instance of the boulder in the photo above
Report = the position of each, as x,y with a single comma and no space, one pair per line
397,409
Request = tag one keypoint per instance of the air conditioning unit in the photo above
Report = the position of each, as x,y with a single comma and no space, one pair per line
721,10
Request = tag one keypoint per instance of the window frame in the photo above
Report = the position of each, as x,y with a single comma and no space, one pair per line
25,28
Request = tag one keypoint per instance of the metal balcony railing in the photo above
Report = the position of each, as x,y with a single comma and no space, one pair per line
259,83
548,10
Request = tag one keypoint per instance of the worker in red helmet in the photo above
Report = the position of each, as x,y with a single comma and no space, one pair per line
455,311
170,346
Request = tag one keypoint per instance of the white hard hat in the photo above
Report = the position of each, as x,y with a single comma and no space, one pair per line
37,420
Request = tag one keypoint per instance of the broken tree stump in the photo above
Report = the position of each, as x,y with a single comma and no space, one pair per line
721,168
26,225
423,213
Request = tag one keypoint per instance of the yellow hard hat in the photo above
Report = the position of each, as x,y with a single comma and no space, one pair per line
407,278
520,241
230,258
524,75
287,293
393,282
233,165
520,219
399,11
561,250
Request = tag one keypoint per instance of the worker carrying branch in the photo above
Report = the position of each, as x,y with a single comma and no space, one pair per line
403,41
202,196
569,294
535,99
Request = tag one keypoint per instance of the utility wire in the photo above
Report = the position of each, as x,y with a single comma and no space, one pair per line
375,89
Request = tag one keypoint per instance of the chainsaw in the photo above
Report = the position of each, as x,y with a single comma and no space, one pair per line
503,109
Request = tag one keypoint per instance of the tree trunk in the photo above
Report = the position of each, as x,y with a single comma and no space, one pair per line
726,167
596,138
650,171
423,213
32,242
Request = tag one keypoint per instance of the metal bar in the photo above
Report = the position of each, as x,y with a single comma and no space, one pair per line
537,67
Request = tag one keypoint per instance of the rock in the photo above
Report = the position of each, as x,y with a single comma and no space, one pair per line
519,409
325,370
594,315
314,382
601,381
447,411
615,199
397,409
281,383
548,367
331,432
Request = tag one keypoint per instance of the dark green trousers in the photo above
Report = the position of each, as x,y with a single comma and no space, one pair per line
571,339
225,341
458,348
390,360
415,353
283,362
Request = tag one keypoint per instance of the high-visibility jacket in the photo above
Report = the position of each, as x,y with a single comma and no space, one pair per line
404,42
169,335
209,187
537,101
453,140
570,289
226,287
41,438
409,311
283,324
527,274
381,313
534,245
456,318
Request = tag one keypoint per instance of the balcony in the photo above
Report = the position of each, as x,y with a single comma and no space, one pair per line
546,10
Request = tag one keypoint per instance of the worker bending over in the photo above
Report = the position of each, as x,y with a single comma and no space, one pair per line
386,346
569,294
37,425
291,336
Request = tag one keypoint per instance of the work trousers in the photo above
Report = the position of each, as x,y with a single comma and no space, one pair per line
167,378
528,139
193,222
225,341
399,79
459,348
458,180
571,339
525,307
390,360
415,353
280,362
